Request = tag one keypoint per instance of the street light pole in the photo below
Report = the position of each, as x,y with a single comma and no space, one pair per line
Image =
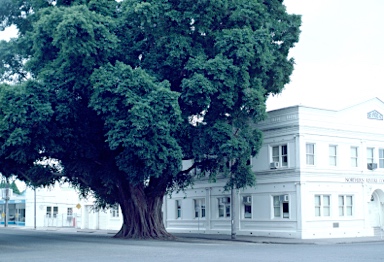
34,209
233,213
6,204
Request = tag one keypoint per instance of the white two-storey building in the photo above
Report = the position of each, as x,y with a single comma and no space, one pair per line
319,174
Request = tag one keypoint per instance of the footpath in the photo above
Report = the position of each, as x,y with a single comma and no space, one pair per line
276,240
222,237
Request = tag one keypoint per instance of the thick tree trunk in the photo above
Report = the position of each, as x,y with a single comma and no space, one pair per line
142,215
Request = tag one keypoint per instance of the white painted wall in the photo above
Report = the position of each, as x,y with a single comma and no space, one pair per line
296,126
60,196
84,215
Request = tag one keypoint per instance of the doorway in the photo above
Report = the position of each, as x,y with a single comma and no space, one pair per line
375,208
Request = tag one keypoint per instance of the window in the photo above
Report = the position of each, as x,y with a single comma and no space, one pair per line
345,205
178,208
381,158
20,215
280,155
281,206
310,154
276,206
332,155
354,156
322,205
370,155
55,211
70,216
115,212
52,212
224,206
199,208
49,212
247,206
249,162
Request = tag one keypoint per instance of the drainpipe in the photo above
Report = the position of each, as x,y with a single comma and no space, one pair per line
380,218
299,213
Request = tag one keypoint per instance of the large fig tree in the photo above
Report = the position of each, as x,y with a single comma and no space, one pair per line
113,95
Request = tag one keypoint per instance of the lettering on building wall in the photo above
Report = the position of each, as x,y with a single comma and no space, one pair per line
366,180
291,117
375,115
284,118
275,119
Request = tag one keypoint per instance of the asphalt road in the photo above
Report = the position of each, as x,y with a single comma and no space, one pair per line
32,246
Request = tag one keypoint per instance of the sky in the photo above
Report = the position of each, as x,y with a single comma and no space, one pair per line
339,57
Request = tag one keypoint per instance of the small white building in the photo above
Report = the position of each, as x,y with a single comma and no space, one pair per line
59,206
319,174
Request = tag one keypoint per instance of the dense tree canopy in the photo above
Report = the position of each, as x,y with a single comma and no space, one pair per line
113,95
